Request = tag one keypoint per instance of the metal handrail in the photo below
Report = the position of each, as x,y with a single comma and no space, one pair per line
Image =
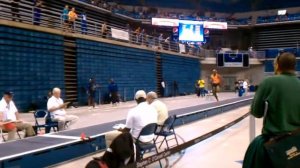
252,54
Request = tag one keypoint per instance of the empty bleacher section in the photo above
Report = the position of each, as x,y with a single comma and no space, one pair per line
269,66
31,64
185,71
271,54
34,62
281,36
131,68
70,69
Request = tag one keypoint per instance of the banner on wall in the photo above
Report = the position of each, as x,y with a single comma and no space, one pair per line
165,22
215,25
119,34
181,48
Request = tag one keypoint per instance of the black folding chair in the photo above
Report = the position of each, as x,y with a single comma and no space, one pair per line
48,121
147,146
166,130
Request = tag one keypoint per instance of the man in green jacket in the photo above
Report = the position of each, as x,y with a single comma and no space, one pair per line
282,92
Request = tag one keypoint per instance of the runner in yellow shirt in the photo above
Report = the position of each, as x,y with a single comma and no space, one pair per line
201,84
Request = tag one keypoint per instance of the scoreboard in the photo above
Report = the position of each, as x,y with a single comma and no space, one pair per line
232,60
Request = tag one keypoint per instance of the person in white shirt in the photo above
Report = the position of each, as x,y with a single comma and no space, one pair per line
163,87
56,107
160,107
245,87
137,118
9,113
140,116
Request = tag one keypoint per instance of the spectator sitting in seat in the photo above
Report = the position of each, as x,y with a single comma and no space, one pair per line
160,107
137,118
56,107
140,116
9,112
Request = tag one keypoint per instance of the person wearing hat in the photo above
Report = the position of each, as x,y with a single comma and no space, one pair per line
140,116
160,107
9,118
137,118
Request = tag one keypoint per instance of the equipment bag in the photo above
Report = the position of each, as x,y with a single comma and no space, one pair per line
284,150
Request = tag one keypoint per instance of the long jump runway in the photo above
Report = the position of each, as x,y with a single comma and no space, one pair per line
15,150
105,127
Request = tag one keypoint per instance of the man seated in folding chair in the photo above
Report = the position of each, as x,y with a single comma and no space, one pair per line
56,107
160,107
137,118
9,113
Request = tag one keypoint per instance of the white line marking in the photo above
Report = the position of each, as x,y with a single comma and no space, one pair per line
210,108
61,136
37,150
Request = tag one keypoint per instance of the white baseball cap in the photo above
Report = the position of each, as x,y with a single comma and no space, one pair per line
140,94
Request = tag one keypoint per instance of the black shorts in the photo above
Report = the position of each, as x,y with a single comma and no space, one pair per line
215,85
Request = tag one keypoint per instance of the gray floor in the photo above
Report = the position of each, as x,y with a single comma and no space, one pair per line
108,113
225,150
